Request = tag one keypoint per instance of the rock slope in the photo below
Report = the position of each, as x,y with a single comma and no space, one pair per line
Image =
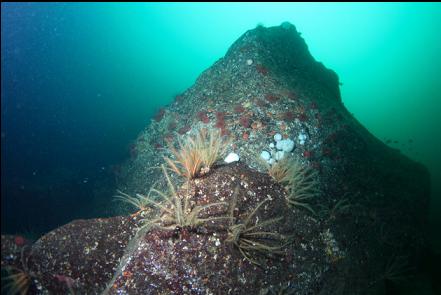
364,231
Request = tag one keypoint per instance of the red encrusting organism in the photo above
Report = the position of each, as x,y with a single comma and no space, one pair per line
19,240
203,117
220,120
245,121
220,116
307,154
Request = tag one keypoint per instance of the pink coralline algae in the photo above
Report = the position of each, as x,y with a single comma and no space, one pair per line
307,154
220,116
203,117
19,240
245,121
220,123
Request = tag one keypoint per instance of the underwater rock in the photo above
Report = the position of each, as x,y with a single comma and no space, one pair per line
360,234
203,260
87,251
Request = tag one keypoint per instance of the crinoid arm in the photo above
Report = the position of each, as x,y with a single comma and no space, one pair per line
249,237
16,281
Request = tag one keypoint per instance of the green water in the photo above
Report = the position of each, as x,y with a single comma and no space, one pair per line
105,69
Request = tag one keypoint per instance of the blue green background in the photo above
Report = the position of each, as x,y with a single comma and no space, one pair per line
80,81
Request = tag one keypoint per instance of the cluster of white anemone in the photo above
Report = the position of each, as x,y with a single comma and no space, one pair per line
280,147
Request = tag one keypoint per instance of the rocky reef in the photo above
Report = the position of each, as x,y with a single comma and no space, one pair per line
356,225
